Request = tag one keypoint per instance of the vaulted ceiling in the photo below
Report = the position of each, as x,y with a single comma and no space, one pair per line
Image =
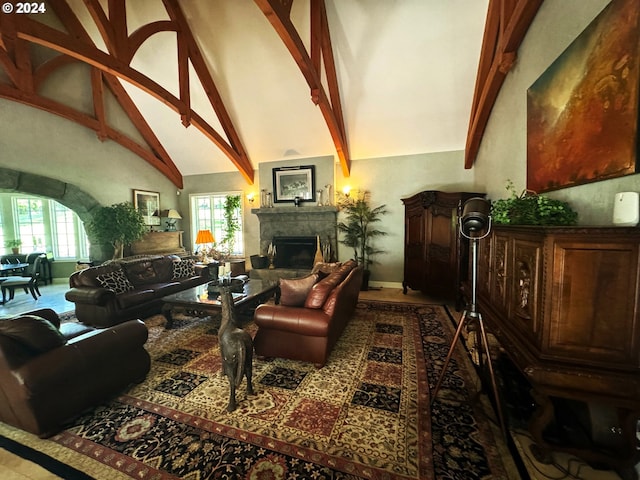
215,85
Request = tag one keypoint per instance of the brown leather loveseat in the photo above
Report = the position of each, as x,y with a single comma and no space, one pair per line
126,289
50,373
312,314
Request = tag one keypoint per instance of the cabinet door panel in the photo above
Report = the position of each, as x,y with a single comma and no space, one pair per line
499,268
414,249
484,259
524,295
440,274
594,299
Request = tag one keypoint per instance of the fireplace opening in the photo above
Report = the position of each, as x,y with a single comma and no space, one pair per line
294,252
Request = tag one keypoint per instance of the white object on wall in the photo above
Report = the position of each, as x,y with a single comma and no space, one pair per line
626,209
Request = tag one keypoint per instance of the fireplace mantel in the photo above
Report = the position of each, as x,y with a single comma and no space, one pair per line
300,221
295,210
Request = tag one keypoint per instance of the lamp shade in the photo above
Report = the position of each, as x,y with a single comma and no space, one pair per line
171,213
204,236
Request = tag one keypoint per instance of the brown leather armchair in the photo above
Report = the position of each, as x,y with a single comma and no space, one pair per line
310,318
50,373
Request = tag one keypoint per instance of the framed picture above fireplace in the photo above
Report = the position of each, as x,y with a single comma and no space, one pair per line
294,184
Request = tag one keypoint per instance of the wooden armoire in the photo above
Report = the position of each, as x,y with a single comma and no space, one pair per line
435,257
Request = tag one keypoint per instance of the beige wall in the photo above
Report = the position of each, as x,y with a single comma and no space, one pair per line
503,152
38,142
391,179
387,179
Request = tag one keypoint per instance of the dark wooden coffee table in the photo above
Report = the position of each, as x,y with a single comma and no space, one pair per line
198,302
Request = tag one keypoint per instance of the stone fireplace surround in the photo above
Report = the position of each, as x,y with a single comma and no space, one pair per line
293,221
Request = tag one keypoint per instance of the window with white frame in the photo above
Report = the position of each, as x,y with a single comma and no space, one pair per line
3,237
207,213
30,223
43,225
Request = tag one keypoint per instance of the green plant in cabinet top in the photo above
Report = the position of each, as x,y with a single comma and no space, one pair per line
529,208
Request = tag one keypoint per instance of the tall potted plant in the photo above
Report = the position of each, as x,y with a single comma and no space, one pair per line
359,230
118,225
231,222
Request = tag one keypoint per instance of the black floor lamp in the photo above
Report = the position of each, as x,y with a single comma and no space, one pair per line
475,224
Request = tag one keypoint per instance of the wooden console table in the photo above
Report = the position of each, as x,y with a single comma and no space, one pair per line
564,303
161,243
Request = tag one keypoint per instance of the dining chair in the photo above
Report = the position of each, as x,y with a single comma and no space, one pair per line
28,283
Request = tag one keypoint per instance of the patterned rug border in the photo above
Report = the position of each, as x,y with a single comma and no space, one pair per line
133,468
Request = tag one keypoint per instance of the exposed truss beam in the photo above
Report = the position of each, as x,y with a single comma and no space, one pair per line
15,60
16,32
505,28
278,13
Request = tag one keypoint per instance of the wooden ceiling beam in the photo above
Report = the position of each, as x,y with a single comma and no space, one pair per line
123,98
46,36
122,47
97,89
153,153
51,106
137,38
330,68
506,25
73,25
278,15
206,80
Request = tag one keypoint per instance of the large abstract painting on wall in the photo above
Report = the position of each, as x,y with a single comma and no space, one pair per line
582,113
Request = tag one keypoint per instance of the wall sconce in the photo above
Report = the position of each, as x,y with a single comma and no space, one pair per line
251,197
346,190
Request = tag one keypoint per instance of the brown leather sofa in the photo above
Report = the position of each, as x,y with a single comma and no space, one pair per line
312,314
50,373
126,289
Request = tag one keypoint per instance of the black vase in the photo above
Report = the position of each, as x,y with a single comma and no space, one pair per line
365,280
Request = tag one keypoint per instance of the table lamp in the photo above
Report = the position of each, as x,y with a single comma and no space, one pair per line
202,238
173,216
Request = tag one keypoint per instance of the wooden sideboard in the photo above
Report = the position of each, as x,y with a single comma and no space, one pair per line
563,303
435,259
161,243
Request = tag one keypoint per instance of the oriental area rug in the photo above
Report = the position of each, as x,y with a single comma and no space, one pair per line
366,414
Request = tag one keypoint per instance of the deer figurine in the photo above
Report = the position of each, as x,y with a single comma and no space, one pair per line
236,348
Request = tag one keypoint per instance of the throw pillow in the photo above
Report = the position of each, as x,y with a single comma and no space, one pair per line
184,268
115,281
294,291
321,290
326,268
35,333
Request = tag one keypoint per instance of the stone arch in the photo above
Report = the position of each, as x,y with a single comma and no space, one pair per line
67,194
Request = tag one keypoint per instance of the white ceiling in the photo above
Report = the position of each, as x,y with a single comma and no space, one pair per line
406,71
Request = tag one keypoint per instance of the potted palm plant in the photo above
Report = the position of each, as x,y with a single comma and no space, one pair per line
117,225
359,230
14,244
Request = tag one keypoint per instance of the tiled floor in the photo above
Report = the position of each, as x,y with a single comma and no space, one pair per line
52,297
563,466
